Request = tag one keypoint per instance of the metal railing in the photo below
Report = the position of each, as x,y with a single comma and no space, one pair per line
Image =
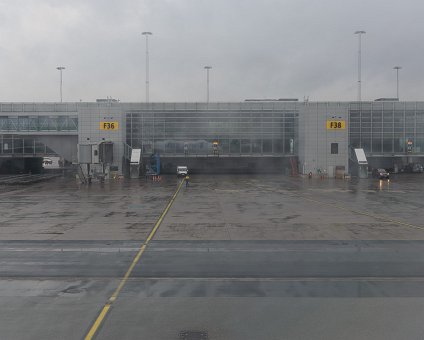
127,151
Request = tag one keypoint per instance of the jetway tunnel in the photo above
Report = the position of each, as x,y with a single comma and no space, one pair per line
25,153
26,146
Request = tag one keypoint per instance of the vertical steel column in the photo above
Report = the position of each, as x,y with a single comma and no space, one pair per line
415,128
393,132
404,128
382,130
131,127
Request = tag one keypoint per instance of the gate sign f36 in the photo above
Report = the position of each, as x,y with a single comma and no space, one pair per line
109,125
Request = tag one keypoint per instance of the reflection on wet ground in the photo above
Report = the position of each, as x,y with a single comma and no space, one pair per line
242,206
273,207
239,257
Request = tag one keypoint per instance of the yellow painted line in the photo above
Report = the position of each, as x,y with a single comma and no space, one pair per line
94,328
127,274
98,322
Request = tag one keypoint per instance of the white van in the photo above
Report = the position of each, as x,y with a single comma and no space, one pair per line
182,171
51,162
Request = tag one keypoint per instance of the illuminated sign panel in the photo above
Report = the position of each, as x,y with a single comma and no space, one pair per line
109,126
336,124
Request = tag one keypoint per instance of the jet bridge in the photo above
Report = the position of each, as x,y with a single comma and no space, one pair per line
359,163
135,163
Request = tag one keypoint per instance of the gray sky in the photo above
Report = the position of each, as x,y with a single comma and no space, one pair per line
257,48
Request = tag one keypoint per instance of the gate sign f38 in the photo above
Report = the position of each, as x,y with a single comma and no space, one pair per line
336,124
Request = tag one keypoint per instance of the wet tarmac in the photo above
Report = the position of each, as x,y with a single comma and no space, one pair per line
238,257
66,210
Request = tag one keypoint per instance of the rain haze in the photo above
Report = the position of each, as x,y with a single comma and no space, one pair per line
257,49
268,184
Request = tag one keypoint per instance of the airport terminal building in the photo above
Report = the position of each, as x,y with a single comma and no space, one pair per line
254,136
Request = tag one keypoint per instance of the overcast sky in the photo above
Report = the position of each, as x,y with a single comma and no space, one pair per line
257,48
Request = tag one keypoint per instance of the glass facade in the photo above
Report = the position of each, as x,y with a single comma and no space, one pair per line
38,123
226,132
19,145
387,127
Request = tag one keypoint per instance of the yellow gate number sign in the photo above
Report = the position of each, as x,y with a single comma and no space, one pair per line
109,125
336,125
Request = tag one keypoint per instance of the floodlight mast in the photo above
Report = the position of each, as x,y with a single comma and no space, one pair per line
207,68
146,34
60,68
359,33
397,68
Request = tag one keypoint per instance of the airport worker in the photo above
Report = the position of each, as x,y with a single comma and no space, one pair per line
187,178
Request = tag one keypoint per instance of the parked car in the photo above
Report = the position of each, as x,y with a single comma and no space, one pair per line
380,173
413,168
417,168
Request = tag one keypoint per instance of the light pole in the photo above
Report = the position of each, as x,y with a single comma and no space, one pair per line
359,33
146,34
207,68
397,68
60,68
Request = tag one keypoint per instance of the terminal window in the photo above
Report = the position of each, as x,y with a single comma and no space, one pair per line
334,148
